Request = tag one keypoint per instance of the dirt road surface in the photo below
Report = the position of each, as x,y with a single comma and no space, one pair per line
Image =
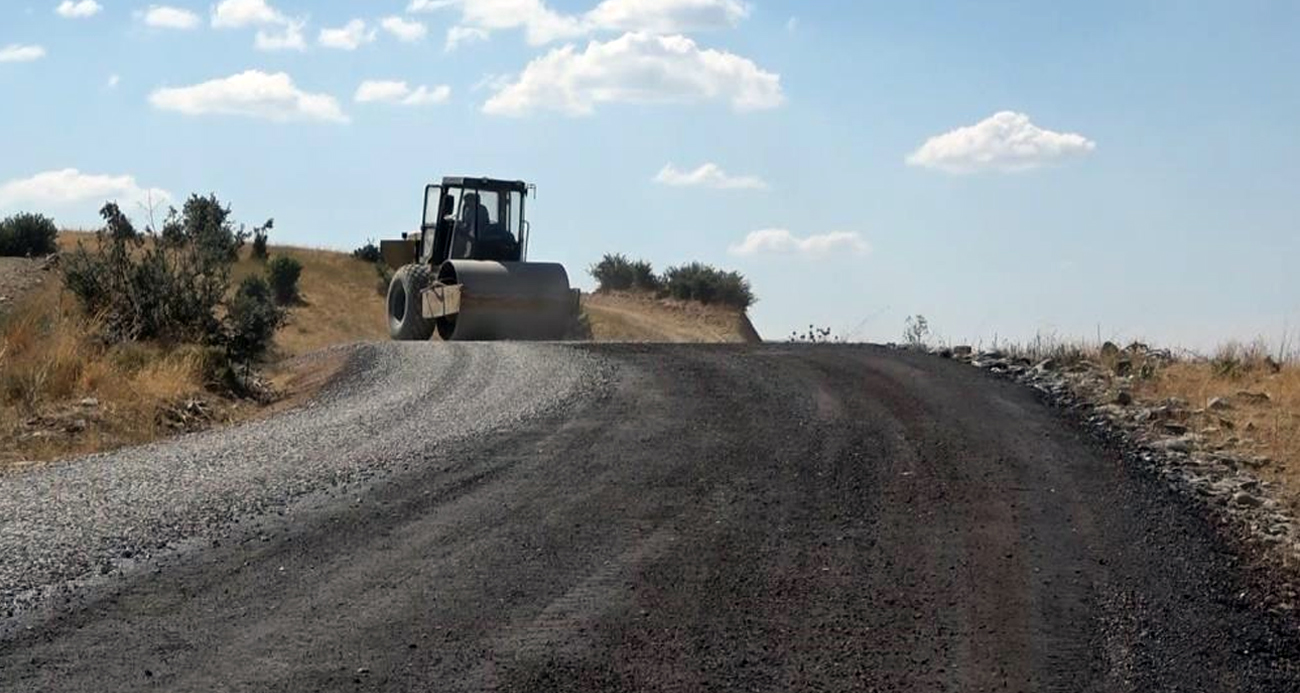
631,518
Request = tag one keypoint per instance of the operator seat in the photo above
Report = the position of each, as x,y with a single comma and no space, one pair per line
474,219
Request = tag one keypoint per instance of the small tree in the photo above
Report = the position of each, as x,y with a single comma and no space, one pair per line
206,222
23,235
916,331
283,272
261,235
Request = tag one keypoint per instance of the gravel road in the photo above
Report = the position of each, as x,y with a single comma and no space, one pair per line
462,517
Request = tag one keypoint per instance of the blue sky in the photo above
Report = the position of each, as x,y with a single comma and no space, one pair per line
1005,168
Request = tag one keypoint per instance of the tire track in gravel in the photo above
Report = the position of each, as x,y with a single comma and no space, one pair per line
76,519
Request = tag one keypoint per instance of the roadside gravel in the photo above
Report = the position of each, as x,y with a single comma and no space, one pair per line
390,403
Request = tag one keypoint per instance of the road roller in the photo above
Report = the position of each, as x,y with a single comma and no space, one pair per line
465,274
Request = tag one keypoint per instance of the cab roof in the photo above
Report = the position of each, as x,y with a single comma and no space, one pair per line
485,184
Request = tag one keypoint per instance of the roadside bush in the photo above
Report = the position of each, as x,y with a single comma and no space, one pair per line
615,272
700,282
644,277
167,291
23,235
171,289
252,317
368,252
612,273
203,222
283,273
814,335
261,234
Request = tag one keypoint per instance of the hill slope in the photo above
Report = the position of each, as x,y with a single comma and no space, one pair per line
63,392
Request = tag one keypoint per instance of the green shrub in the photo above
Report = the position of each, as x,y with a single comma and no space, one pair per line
252,317
699,282
23,235
644,277
166,291
206,223
368,253
283,273
170,289
615,272
612,273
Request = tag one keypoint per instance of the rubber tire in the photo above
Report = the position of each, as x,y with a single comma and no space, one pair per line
406,321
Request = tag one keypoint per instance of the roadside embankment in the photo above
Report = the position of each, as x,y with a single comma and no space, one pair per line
1222,429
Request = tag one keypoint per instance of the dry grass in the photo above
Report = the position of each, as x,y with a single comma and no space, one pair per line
50,361
1242,420
634,317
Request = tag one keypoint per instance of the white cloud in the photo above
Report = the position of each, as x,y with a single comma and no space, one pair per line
667,16
114,80
18,53
276,31
542,25
287,38
70,186
348,37
404,30
458,35
381,90
1005,141
428,5
385,91
236,14
637,68
255,94
167,17
708,175
78,10
782,242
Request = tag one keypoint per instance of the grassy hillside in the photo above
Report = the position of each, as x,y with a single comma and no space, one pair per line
63,391
339,303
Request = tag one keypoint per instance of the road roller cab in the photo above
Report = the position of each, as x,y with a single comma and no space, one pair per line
465,273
